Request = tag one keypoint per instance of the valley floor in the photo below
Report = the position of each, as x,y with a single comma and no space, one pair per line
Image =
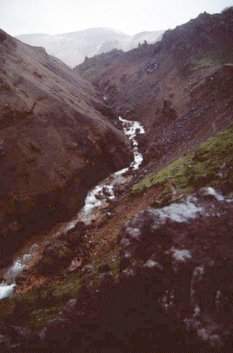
116,245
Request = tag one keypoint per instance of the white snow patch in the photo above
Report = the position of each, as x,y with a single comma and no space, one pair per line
168,299
181,255
127,255
134,233
151,264
197,311
125,242
229,200
129,272
204,334
198,273
180,212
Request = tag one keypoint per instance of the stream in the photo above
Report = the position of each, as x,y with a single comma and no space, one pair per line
96,201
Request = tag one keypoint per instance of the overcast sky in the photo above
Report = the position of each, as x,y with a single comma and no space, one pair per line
129,16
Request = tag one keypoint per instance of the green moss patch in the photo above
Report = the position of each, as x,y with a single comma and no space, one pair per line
213,59
39,305
210,164
40,317
205,62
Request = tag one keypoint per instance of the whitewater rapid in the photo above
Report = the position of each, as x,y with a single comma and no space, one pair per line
100,196
96,200
8,285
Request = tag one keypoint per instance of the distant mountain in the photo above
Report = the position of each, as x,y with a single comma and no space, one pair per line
131,42
72,48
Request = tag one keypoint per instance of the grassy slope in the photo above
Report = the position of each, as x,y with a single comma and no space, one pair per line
211,163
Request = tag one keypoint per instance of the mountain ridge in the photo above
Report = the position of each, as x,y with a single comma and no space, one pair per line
73,47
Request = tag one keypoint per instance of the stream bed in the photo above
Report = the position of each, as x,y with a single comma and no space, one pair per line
96,201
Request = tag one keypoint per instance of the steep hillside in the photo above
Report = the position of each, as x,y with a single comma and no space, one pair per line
154,271
152,268
54,145
180,88
72,48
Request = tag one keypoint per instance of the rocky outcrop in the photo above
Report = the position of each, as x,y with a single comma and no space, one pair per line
177,262
54,143
174,286
188,246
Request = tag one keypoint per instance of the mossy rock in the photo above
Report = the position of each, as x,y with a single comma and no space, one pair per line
213,59
210,164
37,306
40,317
205,62
55,257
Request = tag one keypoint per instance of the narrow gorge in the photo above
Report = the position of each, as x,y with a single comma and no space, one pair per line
96,201
116,196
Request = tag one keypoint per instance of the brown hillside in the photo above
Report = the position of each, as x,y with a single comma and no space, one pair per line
180,88
54,145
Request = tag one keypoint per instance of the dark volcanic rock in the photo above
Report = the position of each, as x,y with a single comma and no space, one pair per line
189,245
104,268
175,290
55,257
74,236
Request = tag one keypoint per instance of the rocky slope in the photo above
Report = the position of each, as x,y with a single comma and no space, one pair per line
173,289
72,48
173,86
54,143
154,269
153,273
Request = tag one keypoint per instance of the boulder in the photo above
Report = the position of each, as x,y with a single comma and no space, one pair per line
55,257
